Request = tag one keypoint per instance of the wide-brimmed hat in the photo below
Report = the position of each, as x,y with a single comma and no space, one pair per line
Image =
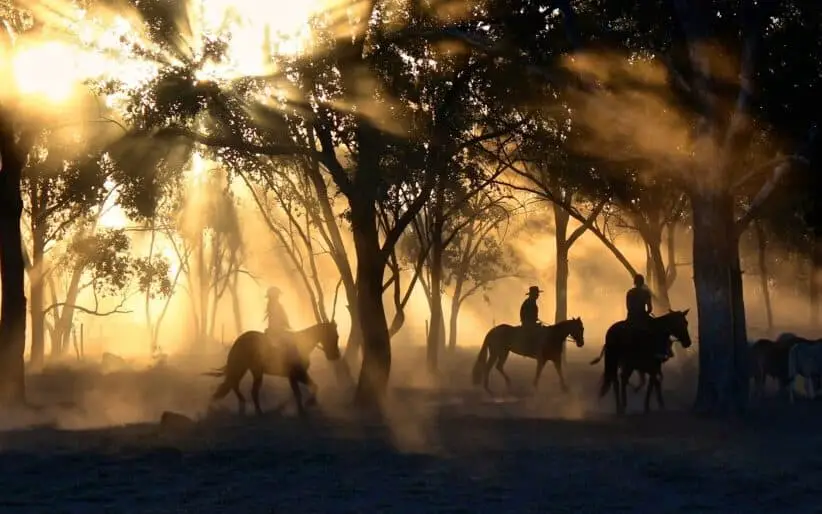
534,290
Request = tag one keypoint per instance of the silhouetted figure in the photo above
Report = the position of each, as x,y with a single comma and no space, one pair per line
276,316
640,308
529,311
529,314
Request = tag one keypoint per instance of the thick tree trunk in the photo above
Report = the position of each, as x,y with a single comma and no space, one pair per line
563,246
376,363
762,258
815,279
354,345
723,377
12,271
435,334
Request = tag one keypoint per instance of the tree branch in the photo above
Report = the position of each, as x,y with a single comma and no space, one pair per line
93,312
589,222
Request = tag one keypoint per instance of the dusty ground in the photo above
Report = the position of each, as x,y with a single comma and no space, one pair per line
96,446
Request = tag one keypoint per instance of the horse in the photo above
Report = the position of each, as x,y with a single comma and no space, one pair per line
546,346
769,358
253,351
804,358
622,351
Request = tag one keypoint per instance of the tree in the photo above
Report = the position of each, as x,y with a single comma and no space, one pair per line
340,95
477,257
61,190
14,147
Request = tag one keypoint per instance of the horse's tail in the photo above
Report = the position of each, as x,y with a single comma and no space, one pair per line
222,390
609,374
596,361
482,358
219,372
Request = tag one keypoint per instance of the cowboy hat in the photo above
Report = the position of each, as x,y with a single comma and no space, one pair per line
534,289
273,291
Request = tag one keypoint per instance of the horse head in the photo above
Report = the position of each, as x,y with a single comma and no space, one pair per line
330,340
677,326
577,331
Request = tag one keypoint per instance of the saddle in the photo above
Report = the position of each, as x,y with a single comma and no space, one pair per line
642,327
526,338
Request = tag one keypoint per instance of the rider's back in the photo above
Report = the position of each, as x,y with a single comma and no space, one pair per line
636,300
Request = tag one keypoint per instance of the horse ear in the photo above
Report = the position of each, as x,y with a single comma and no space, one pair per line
685,312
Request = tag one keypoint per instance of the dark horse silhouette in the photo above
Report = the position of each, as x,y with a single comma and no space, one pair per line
545,346
769,358
253,351
624,351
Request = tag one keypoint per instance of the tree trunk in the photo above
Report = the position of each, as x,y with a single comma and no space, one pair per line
376,363
355,337
38,318
12,271
456,303
761,248
202,293
815,281
660,278
235,304
561,219
67,313
435,334
723,377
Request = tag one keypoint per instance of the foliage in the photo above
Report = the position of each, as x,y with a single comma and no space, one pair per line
107,257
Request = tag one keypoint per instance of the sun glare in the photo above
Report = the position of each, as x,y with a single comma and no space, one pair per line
47,70
255,29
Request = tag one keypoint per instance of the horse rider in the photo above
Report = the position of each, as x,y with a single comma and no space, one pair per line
275,313
529,314
640,308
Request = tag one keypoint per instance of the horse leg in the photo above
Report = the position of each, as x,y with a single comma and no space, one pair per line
500,363
638,387
312,387
540,364
623,389
653,383
492,358
558,366
257,375
296,377
659,399
615,385
240,398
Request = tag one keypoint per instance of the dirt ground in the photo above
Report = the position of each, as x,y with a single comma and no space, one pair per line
96,446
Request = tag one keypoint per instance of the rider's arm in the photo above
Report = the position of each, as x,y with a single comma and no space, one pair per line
650,306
